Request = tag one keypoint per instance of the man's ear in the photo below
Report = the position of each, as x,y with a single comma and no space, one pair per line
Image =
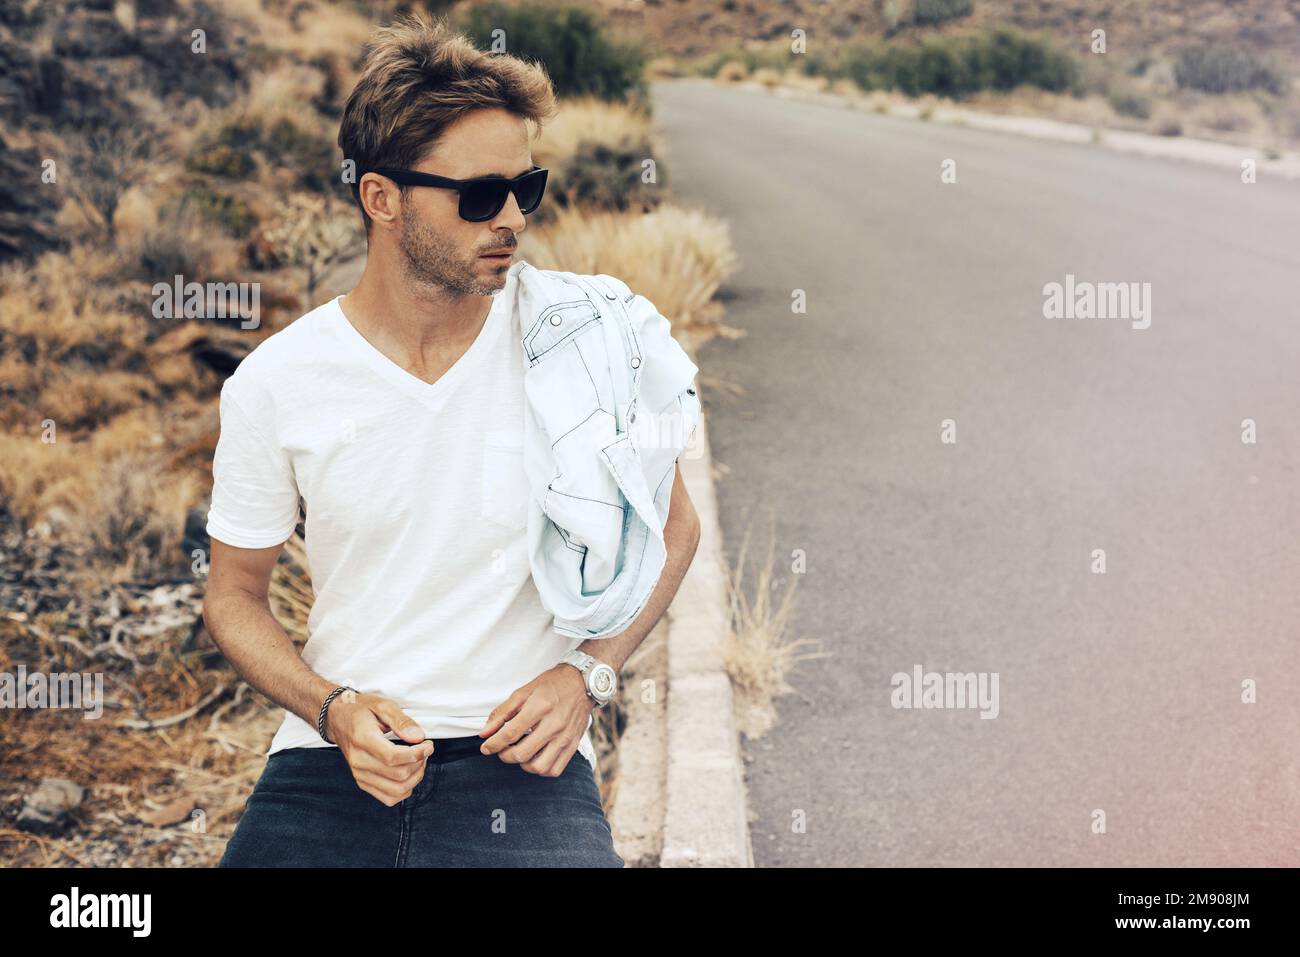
380,197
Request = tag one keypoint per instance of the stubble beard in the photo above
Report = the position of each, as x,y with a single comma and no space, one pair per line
434,262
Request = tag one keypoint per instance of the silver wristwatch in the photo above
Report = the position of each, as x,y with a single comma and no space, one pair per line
601,679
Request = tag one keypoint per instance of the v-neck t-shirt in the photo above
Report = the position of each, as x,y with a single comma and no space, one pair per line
416,505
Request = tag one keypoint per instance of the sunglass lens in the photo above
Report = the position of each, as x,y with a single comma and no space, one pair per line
530,189
482,200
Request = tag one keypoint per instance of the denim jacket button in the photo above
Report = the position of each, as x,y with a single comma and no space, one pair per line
555,319
636,362
690,391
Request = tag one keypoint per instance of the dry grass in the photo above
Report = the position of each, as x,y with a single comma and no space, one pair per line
51,306
308,28
675,257
758,654
732,71
120,496
589,120
291,591
664,67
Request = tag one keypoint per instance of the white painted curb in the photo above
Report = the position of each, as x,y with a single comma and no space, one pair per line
706,819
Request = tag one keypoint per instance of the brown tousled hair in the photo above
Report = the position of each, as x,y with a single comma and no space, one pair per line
417,79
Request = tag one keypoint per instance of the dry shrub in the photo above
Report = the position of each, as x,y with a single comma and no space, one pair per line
846,88
1228,114
180,242
290,590
800,80
64,348
54,307
134,521
758,654
36,476
732,71
313,233
589,120
767,77
675,257
305,28
664,67
77,398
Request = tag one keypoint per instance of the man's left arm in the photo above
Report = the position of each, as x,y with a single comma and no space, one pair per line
555,704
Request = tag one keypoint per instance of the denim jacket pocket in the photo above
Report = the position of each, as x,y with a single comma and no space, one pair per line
558,324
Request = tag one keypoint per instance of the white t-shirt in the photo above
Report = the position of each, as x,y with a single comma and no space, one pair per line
416,505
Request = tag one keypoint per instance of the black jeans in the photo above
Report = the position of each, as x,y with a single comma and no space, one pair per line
469,810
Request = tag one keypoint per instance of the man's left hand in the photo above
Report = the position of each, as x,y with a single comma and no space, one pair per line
555,706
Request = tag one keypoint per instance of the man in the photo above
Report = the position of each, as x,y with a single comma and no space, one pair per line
393,413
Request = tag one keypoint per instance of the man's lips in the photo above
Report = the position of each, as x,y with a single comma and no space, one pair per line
500,254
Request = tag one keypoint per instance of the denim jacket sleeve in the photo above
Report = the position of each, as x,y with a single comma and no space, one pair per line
611,405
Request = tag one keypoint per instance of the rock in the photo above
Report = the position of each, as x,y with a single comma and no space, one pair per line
171,813
47,808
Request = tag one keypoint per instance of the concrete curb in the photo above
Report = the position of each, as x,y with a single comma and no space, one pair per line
706,819
1211,152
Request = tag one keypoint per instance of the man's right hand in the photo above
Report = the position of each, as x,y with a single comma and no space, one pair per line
388,771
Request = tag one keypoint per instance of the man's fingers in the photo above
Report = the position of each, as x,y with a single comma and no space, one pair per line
386,792
522,736
392,780
377,751
532,746
395,719
503,712
551,760
527,716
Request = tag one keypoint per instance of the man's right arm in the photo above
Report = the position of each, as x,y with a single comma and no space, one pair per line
237,611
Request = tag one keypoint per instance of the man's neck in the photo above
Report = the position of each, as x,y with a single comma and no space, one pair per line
422,329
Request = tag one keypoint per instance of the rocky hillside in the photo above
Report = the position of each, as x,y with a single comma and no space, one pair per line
697,27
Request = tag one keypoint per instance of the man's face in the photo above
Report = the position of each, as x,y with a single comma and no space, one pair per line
439,248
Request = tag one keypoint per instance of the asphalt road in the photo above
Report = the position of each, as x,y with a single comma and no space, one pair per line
1118,692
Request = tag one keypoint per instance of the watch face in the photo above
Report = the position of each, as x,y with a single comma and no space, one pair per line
603,681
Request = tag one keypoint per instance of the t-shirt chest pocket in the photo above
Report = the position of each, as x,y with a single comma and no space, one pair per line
505,484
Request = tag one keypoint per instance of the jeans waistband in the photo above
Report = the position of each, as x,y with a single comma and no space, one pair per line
451,749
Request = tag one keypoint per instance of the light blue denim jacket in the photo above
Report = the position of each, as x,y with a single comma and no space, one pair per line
610,404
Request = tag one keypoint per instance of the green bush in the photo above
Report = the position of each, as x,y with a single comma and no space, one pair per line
568,42
957,66
1226,70
937,11
1129,102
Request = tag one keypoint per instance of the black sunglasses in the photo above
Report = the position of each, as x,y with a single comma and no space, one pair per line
482,197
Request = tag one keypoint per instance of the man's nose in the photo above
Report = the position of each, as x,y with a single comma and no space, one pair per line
510,215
